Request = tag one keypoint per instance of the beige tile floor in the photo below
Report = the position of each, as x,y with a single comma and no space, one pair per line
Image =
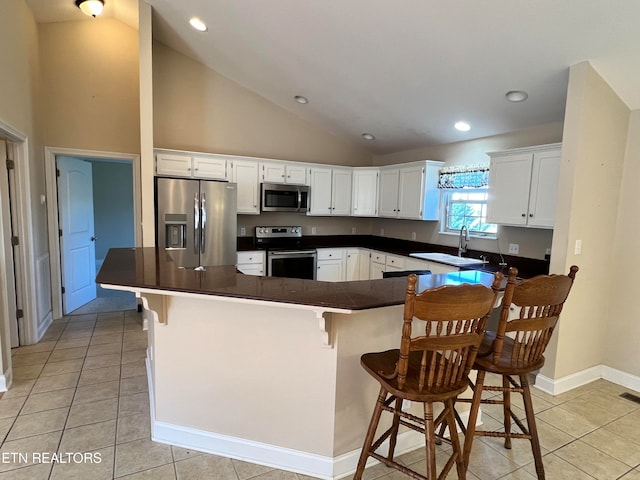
82,390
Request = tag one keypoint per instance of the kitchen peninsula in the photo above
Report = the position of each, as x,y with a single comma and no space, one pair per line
264,369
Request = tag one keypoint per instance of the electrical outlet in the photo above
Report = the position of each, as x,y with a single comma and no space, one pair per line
353,230
514,248
413,235
578,247
313,230
382,232
243,231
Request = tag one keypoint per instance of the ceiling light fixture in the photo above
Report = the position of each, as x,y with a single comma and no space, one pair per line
517,95
301,99
198,24
93,8
368,136
462,126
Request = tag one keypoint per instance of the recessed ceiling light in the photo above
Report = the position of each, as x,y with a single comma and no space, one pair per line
301,99
462,126
368,136
517,95
198,24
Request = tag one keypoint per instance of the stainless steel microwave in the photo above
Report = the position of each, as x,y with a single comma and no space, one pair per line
281,197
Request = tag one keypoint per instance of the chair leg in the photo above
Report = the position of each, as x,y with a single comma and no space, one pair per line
395,427
368,440
531,425
455,441
430,443
506,409
473,416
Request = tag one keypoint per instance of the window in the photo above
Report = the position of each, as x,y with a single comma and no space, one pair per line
468,207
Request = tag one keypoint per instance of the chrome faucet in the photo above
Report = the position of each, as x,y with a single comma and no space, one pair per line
464,232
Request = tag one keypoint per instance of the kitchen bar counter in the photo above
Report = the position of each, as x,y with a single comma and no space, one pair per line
266,370
151,268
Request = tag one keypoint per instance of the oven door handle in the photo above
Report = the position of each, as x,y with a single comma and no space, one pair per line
292,253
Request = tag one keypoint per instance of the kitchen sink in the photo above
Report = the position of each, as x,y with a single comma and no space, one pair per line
448,259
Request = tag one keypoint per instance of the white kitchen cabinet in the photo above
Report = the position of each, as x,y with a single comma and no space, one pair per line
395,262
377,265
357,264
252,262
410,191
191,164
245,173
283,172
331,264
523,186
330,190
364,195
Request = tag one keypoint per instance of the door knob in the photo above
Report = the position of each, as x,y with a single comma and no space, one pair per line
93,239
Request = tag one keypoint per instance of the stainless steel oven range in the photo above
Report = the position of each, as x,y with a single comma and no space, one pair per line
285,257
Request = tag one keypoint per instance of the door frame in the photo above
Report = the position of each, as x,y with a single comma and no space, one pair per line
50,154
18,145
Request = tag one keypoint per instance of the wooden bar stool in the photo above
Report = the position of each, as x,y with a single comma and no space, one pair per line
530,312
430,367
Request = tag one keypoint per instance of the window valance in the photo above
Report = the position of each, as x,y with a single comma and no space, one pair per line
464,176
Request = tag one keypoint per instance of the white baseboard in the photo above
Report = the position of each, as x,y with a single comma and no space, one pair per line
5,380
564,384
44,325
619,377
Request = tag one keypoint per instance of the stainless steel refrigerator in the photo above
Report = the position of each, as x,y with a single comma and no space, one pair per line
196,221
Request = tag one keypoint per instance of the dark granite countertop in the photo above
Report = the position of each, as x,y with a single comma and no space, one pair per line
527,267
151,268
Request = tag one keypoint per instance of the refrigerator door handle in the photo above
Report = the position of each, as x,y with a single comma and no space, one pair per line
196,223
203,210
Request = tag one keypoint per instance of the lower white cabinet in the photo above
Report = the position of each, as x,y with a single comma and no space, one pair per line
377,265
357,264
252,263
332,265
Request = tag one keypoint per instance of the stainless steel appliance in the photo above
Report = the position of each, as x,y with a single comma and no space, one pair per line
196,221
276,197
285,258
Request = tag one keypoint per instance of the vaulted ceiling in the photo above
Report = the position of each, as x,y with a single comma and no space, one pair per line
404,71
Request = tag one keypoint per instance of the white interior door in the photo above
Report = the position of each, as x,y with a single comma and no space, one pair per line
77,247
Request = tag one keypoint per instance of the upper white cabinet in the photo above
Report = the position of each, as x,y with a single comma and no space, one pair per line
245,173
410,191
283,172
523,186
191,164
364,195
330,190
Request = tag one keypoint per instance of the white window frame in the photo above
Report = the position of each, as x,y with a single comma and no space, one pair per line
446,202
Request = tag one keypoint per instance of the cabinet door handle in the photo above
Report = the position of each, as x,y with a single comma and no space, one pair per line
531,214
524,215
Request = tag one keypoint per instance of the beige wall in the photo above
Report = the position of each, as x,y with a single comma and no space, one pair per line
195,108
90,76
594,144
533,242
18,92
622,324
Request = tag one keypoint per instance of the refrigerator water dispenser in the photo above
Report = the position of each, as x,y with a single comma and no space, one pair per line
175,230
